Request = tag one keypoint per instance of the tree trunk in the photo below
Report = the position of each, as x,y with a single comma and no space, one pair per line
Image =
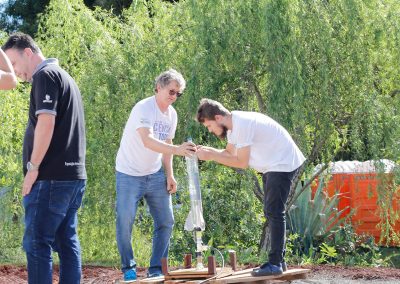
265,241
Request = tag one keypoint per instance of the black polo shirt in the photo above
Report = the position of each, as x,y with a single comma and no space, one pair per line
55,92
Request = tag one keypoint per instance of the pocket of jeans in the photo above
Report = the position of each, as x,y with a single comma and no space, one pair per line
61,193
160,177
79,196
34,194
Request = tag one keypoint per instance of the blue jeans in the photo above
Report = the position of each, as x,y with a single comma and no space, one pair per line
130,189
276,190
50,223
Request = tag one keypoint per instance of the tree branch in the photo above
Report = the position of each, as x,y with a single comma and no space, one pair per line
261,105
291,202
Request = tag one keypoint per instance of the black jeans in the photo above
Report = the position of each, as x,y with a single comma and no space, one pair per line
276,190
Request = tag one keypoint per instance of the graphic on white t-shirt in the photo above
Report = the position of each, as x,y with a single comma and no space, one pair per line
161,130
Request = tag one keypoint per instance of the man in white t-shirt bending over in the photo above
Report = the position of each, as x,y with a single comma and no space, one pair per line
257,141
146,146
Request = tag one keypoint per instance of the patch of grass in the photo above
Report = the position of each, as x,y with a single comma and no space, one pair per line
393,254
11,243
14,256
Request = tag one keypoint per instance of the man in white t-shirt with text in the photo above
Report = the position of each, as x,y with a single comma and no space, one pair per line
144,170
257,141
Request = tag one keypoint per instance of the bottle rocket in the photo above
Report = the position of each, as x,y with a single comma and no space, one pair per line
195,221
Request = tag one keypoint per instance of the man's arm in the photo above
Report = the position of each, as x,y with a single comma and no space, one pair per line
186,149
8,80
43,134
230,156
169,170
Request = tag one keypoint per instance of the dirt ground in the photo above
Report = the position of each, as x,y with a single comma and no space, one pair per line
319,274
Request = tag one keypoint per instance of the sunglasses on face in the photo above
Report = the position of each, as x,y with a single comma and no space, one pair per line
173,93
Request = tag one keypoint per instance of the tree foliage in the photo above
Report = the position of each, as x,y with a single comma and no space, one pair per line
22,15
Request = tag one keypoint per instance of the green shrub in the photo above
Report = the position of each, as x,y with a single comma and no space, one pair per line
314,219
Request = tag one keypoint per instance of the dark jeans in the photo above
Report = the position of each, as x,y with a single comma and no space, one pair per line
276,190
50,223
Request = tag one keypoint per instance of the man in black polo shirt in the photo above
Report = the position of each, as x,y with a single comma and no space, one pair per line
54,162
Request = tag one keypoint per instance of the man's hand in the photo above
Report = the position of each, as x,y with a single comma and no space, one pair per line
230,156
29,180
205,153
171,185
186,149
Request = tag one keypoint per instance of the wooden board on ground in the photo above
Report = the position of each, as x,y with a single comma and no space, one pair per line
185,281
153,280
290,274
120,281
225,276
243,271
193,273
190,271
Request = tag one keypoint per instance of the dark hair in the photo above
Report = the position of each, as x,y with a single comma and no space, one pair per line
208,109
20,41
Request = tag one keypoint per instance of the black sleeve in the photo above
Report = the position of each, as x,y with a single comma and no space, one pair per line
46,93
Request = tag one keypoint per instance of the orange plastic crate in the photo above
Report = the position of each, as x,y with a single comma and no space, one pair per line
358,192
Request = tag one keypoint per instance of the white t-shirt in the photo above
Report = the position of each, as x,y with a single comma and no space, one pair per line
133,157
272,149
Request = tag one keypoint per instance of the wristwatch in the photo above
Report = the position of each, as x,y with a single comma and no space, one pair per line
31,167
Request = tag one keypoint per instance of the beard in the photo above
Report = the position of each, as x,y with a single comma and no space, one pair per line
224,132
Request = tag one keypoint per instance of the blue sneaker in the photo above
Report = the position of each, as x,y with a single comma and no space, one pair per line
130,275
268,269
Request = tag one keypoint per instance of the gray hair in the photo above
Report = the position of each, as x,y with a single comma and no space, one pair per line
168,76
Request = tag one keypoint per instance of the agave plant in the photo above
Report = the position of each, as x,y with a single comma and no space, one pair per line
315,217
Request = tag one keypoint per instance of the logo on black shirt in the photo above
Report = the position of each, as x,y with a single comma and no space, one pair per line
72,164
47,100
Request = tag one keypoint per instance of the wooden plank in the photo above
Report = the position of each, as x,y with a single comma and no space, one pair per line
286,273
285,276
290,274
164,265
232,260
152,280
188,276
249,270
295,276
212,265
120,281
176,281
198,274
194,281
225,272
190,271
187,263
